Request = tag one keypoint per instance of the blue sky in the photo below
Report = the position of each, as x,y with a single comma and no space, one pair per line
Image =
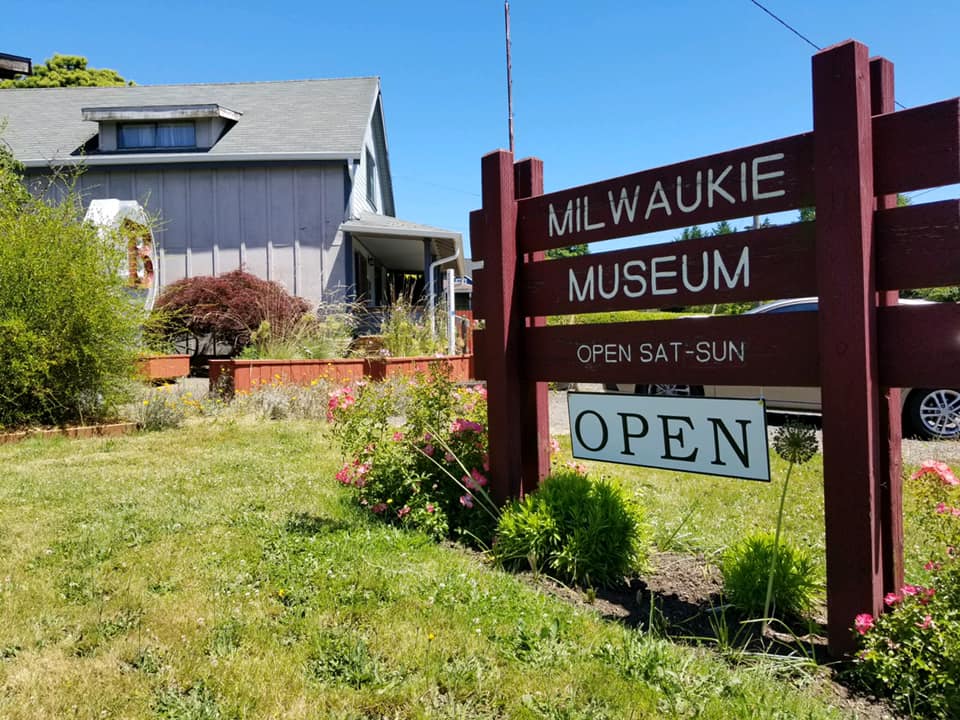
601,88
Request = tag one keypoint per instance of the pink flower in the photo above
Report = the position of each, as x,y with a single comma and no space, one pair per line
461,425
486,462
479,479
910,590
942,508
928,596
468,482
927,622
932,566
863,622
429,450
940,469
343,475
430,508
891,599
448,457
466,501
554,445
398,437
379,508
404,511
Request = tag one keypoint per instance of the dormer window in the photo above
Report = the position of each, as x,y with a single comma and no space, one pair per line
143,136
159,128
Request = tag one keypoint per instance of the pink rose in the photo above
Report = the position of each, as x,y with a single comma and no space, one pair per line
863,622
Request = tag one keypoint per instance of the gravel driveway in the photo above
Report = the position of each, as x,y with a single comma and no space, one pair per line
914,451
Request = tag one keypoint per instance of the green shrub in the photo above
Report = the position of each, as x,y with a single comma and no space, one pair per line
576,529
68,330
746,569
161,409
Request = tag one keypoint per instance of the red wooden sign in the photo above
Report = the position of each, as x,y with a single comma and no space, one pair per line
859,347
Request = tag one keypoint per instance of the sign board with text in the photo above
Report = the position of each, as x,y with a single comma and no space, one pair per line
708,436
859,347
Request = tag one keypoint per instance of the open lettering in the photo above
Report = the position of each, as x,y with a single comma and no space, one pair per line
715,437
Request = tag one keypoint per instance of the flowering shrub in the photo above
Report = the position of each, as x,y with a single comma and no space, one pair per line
430,472
912,651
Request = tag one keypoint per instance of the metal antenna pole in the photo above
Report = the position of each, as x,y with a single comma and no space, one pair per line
506,21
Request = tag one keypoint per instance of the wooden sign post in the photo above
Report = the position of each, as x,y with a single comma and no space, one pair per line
859,347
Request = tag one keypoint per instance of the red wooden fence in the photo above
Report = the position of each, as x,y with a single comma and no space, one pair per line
858,253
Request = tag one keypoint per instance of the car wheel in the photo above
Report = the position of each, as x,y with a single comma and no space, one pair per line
671,390
933,414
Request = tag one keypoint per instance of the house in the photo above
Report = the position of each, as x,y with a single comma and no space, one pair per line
12,66
290,180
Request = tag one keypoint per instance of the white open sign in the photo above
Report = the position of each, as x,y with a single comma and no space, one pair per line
697,435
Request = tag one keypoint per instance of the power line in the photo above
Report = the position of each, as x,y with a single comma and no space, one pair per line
803,37
788,26
816,47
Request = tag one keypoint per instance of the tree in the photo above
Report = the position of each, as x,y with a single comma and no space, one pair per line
66,71
721,228
568,252
690,233
809,214
68,330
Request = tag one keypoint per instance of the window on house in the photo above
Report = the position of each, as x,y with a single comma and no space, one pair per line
371,180
131,136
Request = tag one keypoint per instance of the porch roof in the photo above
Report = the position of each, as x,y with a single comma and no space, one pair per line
398,244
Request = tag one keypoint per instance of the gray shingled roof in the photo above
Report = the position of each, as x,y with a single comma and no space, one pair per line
322,119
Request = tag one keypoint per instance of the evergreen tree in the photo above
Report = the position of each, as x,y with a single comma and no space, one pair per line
690,233
66,71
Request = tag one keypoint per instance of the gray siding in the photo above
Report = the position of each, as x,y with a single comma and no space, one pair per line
279,223
376,144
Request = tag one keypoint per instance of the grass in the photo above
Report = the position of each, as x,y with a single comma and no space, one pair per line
216,571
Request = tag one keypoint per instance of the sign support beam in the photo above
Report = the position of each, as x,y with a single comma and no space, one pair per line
843,158
535,426
890,488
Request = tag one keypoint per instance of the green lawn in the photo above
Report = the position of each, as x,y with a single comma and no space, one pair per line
218,571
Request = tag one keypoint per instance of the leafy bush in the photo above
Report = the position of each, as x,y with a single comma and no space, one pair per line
746,569
429,472
911,653
230,308
574,528
67,327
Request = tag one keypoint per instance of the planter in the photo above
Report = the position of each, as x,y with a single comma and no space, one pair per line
230,376
461,366
163,367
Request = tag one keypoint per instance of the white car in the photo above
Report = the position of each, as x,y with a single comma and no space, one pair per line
929,413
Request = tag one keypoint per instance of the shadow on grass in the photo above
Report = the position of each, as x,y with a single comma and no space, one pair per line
303,523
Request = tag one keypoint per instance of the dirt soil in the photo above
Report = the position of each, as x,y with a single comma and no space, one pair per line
680,596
